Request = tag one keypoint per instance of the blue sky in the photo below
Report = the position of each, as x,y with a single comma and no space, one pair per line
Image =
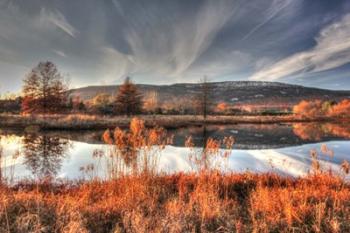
99,42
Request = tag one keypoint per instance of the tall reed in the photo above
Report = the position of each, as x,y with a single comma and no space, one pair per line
136,150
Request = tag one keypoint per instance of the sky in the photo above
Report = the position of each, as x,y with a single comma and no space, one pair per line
100,42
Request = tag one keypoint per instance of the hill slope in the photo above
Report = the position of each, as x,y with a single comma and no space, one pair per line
233,92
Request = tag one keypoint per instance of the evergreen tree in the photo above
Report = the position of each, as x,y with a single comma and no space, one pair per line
128,100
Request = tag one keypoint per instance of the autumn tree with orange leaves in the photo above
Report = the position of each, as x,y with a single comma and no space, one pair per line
44,90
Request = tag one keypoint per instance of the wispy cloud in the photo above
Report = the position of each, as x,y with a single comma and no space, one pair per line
171,48
59,53
276,7
332,50
57,18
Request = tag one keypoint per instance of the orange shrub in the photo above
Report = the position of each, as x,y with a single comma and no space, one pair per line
222,107
325,108
308,108
340,109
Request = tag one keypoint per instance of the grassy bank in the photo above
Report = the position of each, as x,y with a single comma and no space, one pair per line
166,121
205,202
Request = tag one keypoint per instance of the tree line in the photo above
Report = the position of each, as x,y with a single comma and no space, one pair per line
45,91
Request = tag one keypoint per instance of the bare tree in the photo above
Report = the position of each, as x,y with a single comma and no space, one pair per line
44,90
151,102
204,97
129,99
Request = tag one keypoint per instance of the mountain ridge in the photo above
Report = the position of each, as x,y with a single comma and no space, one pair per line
232,92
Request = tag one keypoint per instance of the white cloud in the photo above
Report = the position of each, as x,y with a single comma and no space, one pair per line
332,50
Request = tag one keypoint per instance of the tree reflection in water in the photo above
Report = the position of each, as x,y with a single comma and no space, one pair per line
43,154
319,131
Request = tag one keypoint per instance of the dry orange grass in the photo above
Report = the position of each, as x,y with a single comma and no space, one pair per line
206,202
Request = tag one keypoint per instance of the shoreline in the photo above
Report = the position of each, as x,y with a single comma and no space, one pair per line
96,122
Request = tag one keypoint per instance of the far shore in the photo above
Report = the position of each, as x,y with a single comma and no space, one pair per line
95,122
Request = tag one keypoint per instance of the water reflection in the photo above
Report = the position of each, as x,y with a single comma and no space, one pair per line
266,136
318,132
43,154
284,148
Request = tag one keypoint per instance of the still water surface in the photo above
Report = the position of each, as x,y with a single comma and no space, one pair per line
282,148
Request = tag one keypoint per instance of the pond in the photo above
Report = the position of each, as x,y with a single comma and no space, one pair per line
75,155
